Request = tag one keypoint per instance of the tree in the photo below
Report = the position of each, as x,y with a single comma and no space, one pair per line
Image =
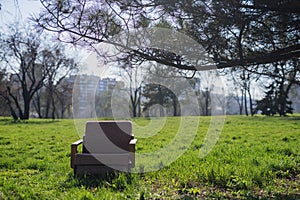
267,104
236,93
54,92
203,89
284,74
26,58
20,54
133,74
64,91
163,88
59,67
249,35
38,100
235,33
137,75
278,90
159,95
4,109
275,102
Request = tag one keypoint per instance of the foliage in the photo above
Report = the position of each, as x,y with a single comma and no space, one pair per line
254,36
235,33
274,102
277,94
251,160
164,88
159,95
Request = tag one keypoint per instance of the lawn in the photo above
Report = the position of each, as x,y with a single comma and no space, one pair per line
255,157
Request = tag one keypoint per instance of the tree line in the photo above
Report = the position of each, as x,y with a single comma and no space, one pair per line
255,40
33,69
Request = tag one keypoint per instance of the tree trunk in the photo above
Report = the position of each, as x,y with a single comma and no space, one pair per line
241,103
133,110
53,107
37,105
62,111
283,98
174,106
246,103
13,114
47,108
250,101
12,111
161,102
207,96
139,103
133,98
26,109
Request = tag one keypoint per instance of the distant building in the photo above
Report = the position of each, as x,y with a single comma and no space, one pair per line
86,87
106,83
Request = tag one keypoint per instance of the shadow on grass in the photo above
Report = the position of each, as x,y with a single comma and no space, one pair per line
8,121
291,118
115,180
95,180
287,196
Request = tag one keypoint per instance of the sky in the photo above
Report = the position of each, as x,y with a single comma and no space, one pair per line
18,10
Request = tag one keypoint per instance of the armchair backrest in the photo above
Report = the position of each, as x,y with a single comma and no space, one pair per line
107,136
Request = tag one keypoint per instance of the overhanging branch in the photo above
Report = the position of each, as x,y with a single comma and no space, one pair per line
287,53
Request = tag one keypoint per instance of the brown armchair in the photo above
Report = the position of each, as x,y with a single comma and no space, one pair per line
107,146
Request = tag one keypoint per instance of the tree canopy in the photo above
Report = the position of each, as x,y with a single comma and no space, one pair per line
233,32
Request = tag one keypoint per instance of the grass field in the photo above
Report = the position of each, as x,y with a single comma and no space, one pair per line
255,157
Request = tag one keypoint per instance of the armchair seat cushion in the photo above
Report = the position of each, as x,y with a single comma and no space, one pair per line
102,159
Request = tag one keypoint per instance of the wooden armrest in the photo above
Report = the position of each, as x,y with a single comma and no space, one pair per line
74,146
133,141
78,142
132,145
132,151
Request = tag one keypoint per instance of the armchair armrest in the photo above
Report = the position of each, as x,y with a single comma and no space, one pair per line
78,142
133,141
74,146
132,145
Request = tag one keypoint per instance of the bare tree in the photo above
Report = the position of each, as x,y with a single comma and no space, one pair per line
134,76
58,67
164,88
239,98
24,54
5,108
64,91
20,52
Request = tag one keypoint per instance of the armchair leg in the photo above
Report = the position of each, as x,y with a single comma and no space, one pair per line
75,171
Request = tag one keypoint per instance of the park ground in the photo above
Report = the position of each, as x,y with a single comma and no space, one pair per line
254,158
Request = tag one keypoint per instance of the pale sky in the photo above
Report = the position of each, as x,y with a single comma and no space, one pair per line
18,10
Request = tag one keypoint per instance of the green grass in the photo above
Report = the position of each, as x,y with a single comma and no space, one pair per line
255,157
